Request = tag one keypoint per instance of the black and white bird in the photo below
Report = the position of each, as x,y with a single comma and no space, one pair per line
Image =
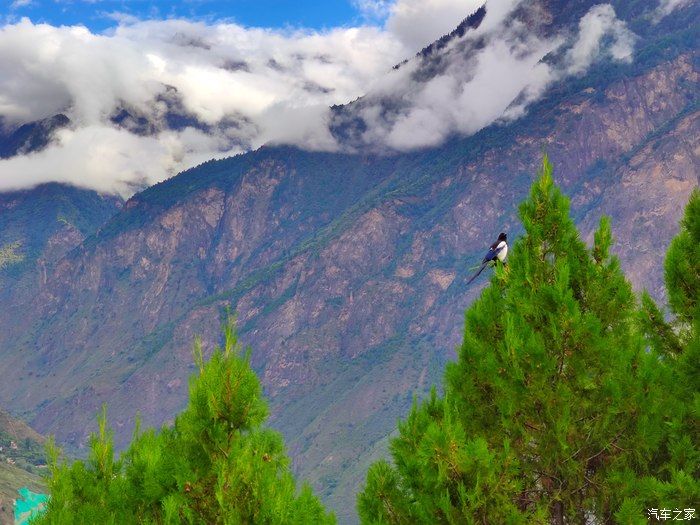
497,252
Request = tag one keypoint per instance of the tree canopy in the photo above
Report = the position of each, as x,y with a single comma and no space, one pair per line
216,464
556,409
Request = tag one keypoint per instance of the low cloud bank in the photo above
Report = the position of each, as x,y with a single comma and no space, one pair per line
492,73
154,97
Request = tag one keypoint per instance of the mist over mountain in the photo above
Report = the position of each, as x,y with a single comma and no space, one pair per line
347,267
180,93
173,91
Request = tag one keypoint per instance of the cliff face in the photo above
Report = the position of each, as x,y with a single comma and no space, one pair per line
347,272
39,227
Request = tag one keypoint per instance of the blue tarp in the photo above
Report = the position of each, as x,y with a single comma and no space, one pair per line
28,505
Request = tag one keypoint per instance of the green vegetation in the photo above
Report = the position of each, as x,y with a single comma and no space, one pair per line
682,271
20,445
678,342
9,255
38,214
25,453
216,464
562,407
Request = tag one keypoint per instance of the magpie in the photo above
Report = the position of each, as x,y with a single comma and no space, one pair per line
497,252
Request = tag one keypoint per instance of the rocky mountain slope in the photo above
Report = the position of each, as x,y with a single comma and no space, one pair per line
38,227
347,272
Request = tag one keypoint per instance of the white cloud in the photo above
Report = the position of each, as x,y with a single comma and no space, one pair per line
417,23
490,74
217,69
666,7
20,3
234,88
599,22
110,160
374,9
248,85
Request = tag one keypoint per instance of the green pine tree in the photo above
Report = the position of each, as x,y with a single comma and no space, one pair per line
552,408
676,480
216,464
682,269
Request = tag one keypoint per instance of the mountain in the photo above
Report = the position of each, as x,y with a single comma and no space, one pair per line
29,137
20,444
21,462
38,227
46,222
347,271
168,113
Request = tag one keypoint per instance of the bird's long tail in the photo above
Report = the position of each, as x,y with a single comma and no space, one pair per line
478,272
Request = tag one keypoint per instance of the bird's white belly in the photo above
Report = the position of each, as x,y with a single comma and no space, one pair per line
502,254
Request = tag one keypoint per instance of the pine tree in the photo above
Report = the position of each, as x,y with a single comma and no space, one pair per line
216,464
675,484
682,269
552,407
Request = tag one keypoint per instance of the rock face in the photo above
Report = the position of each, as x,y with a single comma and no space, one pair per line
347,272
39,227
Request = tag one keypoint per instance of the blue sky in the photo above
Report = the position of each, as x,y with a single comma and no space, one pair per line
98,14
